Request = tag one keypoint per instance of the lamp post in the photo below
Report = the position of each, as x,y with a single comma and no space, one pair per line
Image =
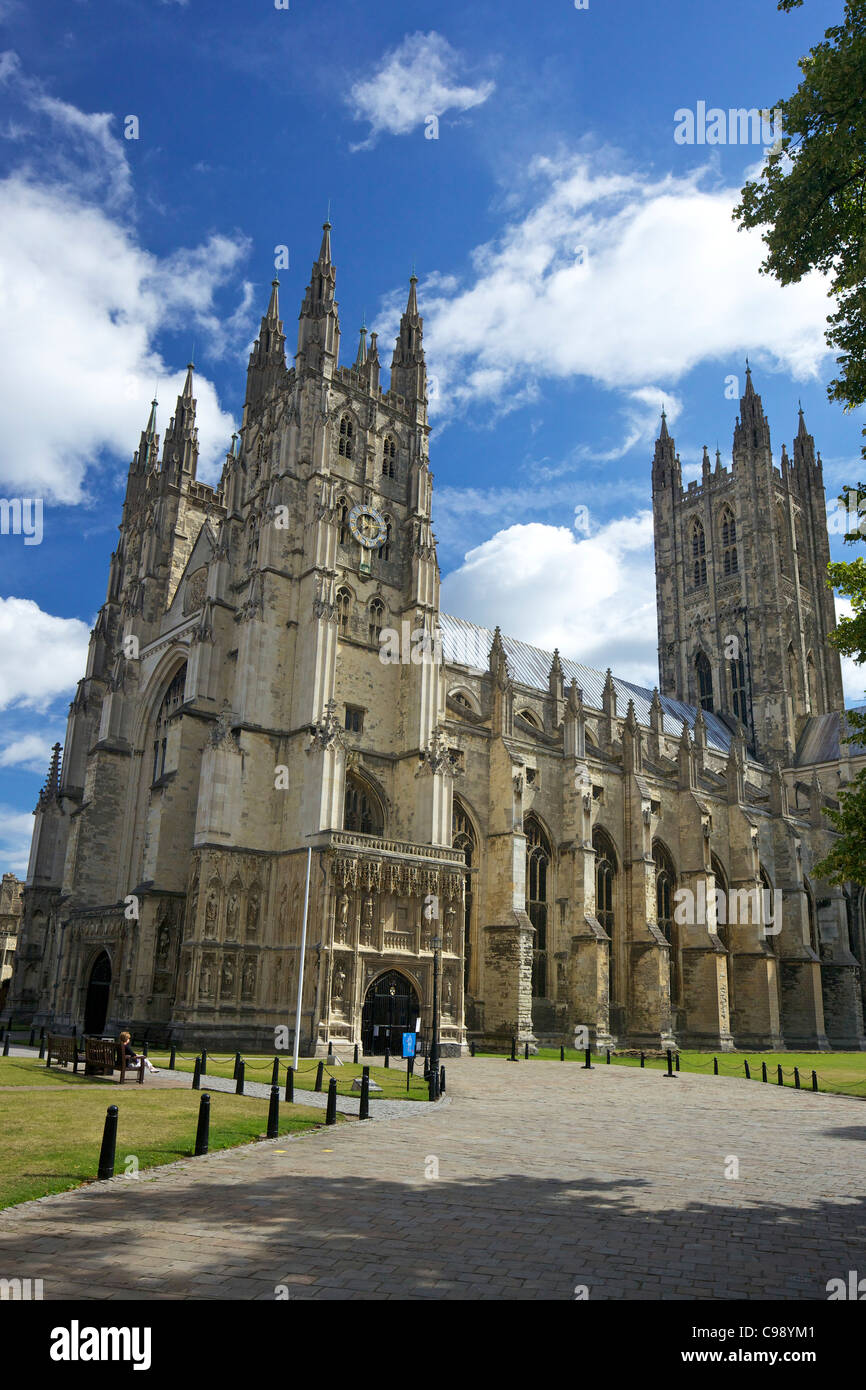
434,1046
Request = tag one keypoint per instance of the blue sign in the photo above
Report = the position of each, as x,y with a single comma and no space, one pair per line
409,1043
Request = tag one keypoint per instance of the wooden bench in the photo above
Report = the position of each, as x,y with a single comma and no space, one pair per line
103,1055
64,1050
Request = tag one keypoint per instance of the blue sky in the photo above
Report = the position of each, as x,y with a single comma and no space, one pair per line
577,268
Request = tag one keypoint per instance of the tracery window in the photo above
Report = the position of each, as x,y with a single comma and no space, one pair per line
699,554
537,866
730,562
347,434
172,699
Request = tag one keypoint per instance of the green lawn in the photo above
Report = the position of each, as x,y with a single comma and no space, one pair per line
50,1139
28,1071
258,1067
843,1073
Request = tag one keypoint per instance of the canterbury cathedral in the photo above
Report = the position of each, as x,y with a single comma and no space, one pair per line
276,714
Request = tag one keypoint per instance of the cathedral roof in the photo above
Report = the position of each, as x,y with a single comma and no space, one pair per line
821,740
467,644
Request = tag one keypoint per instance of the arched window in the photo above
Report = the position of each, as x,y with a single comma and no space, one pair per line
738,689
347,433
343,520
530,718
537,866
362,811
666,887
460,699
605,899
730,563
171,700
463,837
767,912
794,678
699,554
389,458
385,547
721,880
344,608
812,684
705,681
802,567
376,621
810,908
782,540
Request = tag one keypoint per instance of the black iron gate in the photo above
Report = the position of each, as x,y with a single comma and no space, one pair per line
390,1009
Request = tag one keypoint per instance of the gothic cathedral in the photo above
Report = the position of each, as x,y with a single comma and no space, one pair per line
271,685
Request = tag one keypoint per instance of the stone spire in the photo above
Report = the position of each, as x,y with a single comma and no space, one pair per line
686,759
180,452
408,367
51,786
666,470
751,432
319,323
804,446
361,358
267,365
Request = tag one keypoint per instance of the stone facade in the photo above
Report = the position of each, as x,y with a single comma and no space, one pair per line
11,908
276,712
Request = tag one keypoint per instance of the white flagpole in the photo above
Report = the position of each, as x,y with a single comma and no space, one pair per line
303,958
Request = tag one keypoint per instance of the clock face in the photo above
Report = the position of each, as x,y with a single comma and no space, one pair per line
367,526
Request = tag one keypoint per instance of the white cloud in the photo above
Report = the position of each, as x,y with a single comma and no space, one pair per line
16,832
419,78
32,752
853,674
621,278
43,656
592,597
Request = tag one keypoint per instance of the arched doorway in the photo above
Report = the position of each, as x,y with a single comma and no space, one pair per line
96,1003
391,1009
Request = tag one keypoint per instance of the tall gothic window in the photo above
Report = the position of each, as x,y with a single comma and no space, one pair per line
343,519
344,608
385,547
666,886
730,563
362,812
705,682
782,540
770,933
738,689
376,620
347,433
172,699
389,458
812,683
537,866
699,554
605,891
463,837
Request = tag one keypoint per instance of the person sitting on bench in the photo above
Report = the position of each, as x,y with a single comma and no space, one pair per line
132,1058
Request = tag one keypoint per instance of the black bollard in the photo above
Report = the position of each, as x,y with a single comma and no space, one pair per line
814,1081
607,1058
196,1075
670,1071
677,1061
172,1058
587,1066
746,1068
6,1046
526,1052
715,1066
32,1037
561,1052
431,1085
331,1111
41,1048
763,1071
643,1059
290,1084
145,1047
441,1081
109,1144
275,1072
237,1064
202,1134
274,1113
513,1057
355,1058
320,1072
387,1057
780,1080
472,1048
330,1048
239,1080
203,1061
796,1078
364,1107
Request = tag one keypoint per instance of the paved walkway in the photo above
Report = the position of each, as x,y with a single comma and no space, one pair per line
529,1182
